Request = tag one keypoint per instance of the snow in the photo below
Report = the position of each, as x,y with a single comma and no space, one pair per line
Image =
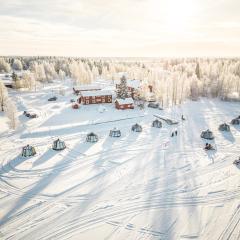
140,186
125,101
6,78
88,87
96,93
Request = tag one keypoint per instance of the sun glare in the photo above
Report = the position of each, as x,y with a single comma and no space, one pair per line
174,15
179,14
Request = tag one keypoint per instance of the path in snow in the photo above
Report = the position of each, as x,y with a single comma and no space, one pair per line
139,186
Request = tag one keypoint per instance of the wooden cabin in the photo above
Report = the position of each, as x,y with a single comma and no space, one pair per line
126,103
95,97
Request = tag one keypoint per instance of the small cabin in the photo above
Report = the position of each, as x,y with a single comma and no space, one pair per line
137,128
95,97
92,137
224,127
207,134
157,124
115,133
126,103
28,151
58,145
235,121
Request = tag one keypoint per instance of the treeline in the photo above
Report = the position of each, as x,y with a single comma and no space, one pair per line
173,80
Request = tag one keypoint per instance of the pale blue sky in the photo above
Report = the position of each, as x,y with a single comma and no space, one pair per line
120,28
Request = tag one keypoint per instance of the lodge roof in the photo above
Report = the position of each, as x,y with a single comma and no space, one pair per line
124,101
96,93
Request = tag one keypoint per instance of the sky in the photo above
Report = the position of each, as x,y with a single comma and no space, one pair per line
120,28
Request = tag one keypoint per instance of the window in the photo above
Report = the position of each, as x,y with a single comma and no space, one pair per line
87,101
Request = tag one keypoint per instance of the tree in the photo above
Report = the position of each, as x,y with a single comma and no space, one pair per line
14,77
17,65
122,88
11,112
4,66
198,71
62,74
3,96
28,80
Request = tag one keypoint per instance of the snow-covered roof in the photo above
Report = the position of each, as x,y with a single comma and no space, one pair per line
125,101
88,87
96,93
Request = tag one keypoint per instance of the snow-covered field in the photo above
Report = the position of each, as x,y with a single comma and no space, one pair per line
140,186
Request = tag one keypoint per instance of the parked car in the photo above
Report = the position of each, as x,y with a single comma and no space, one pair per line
52,99
72,100
33,115
153,105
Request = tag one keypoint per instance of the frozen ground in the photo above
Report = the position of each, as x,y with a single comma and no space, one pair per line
139,186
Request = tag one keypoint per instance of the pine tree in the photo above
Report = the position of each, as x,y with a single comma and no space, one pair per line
14,77
122,89
197,71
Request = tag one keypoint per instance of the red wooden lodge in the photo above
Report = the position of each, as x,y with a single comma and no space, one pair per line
126,103
95,97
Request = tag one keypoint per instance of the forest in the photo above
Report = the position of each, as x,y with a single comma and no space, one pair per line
172,80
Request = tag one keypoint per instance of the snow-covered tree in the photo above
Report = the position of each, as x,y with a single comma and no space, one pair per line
62,74
17,65
49,70
4,66
28,80
122,88
11,112
3,96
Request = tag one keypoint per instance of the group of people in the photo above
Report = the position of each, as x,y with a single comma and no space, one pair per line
174,133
